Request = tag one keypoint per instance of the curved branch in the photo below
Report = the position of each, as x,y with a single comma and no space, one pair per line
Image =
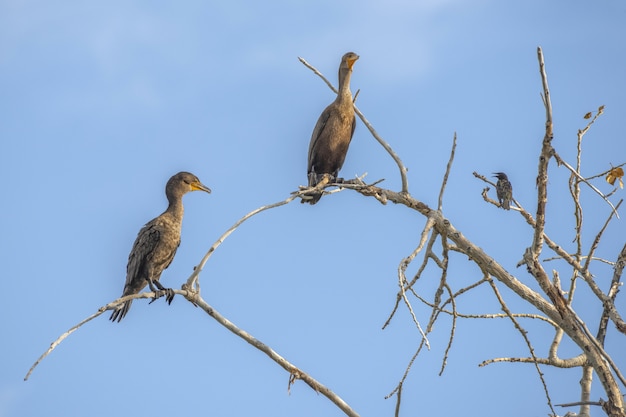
294,372
561,161
524,334
196,300
596,241
101,310
402,277
192,281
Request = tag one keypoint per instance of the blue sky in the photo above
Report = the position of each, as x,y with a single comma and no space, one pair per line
101,103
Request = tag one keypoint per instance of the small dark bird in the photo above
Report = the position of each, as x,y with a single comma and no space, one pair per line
157,242
504,190
333,131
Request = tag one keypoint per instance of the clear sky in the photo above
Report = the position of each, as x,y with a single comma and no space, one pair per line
100,103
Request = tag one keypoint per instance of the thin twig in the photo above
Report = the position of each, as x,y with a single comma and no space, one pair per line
447,174
193,278
444,361
524,334
596,241
399,399
409,286
406,371
402,276
600,403
615,285
577,175
101,310
294,372
605,173
574,362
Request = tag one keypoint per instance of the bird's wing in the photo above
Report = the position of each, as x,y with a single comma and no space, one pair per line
171,257
143,249
353,127
317,133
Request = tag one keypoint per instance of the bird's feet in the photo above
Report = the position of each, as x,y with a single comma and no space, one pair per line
317,183
159,291
169,295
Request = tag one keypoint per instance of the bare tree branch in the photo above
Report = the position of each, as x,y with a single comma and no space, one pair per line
294,372
110,306
563,254
561,161
544,158
447,174
524,334
596,241
555,306
402,277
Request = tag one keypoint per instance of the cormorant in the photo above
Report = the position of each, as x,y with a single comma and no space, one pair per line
504,190
333,131
157,242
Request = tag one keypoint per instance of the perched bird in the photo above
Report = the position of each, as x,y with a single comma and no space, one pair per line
333,131
504,190
157,242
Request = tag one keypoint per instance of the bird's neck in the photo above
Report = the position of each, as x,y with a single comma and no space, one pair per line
175,209
344,85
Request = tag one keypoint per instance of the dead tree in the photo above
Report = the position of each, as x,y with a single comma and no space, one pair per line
441,243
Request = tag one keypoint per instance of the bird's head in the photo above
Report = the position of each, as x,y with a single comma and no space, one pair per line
500,175
349,59
188,182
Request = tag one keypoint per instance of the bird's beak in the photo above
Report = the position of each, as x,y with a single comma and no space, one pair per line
352,61
198,186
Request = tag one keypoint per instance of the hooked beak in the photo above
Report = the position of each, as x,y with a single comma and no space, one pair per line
198,186
351,61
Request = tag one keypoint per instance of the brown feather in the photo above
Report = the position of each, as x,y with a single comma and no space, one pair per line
157,242
333,131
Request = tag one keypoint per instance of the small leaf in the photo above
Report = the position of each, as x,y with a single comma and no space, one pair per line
614,174
601,108
587,116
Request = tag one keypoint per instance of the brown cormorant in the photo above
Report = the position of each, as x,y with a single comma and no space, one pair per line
504,190
157,242
333,131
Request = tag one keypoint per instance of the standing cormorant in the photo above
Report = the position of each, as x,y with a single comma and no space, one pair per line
333,131
504,190
157,242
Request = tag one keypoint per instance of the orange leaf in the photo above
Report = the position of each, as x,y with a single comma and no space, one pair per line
614,174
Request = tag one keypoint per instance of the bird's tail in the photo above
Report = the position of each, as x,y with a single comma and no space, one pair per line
120,312
314,180
314,199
